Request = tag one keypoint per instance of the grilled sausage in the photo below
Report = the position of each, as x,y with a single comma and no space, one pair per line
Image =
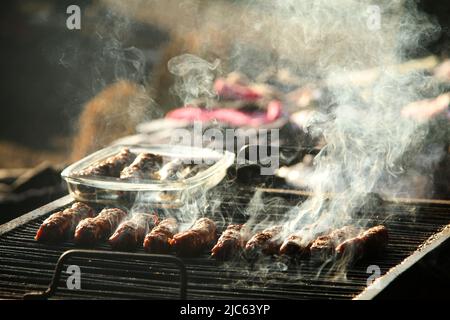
369,243
294,245
267,242
170,169
92,230
184,172
324,246
191,170
231,241
176,169
195,239
299,244
111,166
130,233
145,166
61,225
157,241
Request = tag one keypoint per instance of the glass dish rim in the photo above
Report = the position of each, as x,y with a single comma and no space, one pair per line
226,159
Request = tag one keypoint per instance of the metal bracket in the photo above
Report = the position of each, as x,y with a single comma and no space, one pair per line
108,254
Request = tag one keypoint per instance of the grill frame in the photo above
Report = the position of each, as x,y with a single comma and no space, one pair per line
369,292
382,283
108,254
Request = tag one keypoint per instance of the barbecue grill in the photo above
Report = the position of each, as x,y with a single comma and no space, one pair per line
27,267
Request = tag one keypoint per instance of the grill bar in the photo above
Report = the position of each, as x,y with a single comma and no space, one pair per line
107,254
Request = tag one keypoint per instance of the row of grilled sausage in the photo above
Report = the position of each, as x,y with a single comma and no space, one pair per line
143,229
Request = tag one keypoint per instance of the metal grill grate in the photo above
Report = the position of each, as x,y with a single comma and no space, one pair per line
26,265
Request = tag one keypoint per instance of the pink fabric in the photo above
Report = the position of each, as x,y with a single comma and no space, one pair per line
231,116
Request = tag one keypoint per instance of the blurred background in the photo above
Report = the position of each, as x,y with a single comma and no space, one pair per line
49,74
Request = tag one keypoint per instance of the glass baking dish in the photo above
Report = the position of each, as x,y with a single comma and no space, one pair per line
158,193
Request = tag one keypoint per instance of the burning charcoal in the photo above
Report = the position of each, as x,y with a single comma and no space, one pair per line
130,233
158,240
61,225
267,242
231,242
194,240
92,230
145,166
111,166
369,243
323,247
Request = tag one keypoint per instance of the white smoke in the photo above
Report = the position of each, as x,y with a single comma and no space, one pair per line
194,77
368,141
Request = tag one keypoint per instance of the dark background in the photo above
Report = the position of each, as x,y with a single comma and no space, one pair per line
50,72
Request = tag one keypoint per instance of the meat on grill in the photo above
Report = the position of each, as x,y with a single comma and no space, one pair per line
299,244
195,239
61,225
368,243
176,169
231,242
170,169
111,166
294,245
158,239
191,170
145,166
92,230
130,233
267,241
186,172
324,246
